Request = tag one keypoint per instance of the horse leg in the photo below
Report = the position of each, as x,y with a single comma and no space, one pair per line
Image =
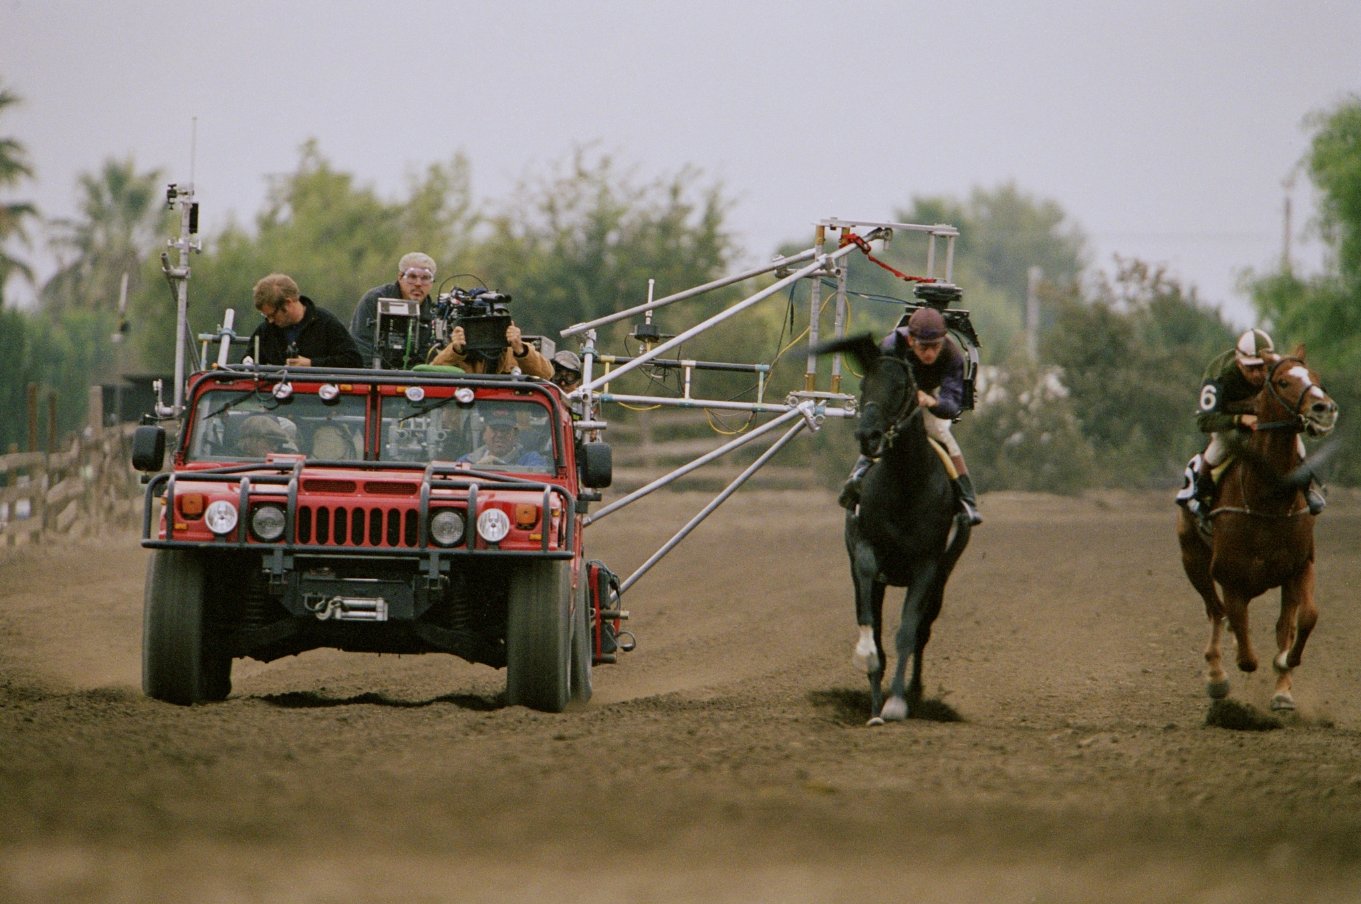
876,674
906,640
1195,561
1236,604
869,599
1299,614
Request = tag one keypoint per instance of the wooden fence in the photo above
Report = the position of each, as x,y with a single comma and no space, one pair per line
84,490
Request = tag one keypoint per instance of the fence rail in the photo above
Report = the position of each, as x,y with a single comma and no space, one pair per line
81,491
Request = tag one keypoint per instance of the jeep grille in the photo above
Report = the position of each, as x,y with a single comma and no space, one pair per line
354,526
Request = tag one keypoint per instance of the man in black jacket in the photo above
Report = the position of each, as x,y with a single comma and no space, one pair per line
296,332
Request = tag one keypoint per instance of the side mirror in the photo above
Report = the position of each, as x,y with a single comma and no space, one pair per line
148,448
596,463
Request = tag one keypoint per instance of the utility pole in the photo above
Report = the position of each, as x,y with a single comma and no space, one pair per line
1032,313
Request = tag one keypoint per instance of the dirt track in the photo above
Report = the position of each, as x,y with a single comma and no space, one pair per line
726,759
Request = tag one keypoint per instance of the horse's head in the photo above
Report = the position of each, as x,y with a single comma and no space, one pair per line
888,393
1294,398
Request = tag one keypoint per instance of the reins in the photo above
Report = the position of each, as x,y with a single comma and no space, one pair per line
907,409
1297,421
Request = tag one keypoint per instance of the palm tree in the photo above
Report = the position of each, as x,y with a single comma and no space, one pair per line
14,215
121,216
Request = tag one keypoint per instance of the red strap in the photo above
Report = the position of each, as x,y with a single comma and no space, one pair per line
850,238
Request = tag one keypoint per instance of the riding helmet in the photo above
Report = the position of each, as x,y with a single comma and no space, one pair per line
1251,346
926,324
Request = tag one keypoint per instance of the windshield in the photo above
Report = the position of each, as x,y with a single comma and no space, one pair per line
242,425
497,434
502,434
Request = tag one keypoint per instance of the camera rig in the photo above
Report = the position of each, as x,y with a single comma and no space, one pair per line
940,295
484,316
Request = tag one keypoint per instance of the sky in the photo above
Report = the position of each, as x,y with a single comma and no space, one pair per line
1168,130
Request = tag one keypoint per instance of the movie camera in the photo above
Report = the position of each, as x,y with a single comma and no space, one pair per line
484,316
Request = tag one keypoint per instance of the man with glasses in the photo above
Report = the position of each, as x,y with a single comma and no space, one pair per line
415,281
938,368
296,332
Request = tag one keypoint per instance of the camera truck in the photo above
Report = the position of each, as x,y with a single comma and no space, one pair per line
373,511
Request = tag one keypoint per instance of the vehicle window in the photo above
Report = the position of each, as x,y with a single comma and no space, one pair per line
234,425
502,435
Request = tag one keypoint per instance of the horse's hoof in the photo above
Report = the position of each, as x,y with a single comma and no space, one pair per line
895,709
874,722
1281,663
1217,690
1247,665
1282,702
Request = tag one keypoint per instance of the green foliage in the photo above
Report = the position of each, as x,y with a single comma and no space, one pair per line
14,215
122,215
338,240
584,241
1324,311
1132,360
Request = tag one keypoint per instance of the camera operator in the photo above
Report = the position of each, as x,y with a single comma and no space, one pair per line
415,277
517,353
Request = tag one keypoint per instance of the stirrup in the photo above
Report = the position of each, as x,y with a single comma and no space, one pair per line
970,512
1315,498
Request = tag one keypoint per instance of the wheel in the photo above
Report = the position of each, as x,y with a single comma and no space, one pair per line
179,665
583,643
538,636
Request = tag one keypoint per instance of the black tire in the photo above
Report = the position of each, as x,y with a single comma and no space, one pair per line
538,636
179,665
583,643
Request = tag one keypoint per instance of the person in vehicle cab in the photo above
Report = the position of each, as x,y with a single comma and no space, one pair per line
1228,393
567,370
517,354
415,279
938,367
501,443
262,434
296,332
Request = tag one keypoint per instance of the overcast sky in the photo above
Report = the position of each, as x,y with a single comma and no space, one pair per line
1166,129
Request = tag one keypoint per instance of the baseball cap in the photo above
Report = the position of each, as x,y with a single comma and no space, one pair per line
499,416
926,324
567,360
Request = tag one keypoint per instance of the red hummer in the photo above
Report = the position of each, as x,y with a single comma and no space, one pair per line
373,511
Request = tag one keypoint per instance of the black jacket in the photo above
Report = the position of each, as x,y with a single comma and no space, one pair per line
319,335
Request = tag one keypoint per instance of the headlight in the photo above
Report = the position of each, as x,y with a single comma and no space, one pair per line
493,525
220,517
267,523
446,527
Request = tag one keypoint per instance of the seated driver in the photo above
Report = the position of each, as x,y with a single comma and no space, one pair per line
501,443
262,434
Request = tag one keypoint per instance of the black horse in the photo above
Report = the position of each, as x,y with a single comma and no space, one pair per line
907,531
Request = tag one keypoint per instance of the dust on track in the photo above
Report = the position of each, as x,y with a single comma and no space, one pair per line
1066,756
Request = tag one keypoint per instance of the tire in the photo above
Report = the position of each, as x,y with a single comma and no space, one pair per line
179,665
538,636
583,643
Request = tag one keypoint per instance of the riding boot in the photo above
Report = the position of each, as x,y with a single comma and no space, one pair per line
1203,500
850,493
967,502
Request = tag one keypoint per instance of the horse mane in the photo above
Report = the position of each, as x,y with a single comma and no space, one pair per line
862,348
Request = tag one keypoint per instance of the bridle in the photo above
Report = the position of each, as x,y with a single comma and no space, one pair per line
906,410
1297,422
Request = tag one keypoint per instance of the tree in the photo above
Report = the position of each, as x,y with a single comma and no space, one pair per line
1323,311
1132,359
121,219
584,241
14,215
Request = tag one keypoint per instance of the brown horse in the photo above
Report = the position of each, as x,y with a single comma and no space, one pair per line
1263,534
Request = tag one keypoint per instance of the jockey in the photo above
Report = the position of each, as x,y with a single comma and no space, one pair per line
1228,394
938,367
